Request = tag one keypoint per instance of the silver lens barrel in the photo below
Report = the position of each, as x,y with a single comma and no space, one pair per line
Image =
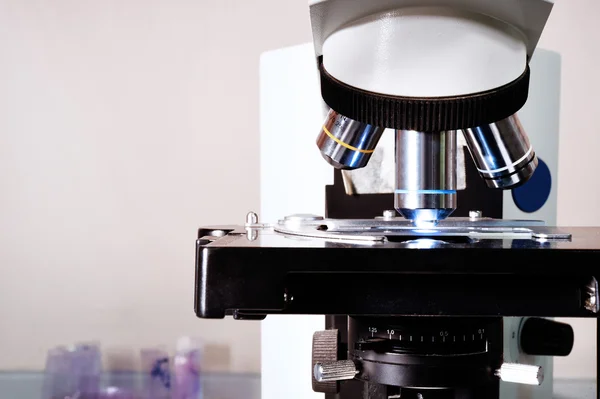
502,153
425,175
346,143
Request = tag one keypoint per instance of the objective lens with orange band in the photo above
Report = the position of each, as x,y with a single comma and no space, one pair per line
346,143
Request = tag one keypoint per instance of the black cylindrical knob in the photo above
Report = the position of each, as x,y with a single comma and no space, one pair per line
546,337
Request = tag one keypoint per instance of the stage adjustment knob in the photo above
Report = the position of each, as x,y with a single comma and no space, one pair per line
546,337
325,349
335,371
521,373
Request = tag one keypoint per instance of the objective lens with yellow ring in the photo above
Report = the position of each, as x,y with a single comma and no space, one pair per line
346,143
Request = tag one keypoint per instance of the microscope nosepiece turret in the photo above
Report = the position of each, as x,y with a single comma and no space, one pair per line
429,73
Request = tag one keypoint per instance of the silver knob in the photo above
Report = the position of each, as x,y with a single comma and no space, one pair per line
475,214
335,371
325,350
389,214
251,218
521,373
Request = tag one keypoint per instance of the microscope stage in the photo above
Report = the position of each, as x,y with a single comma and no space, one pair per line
306,264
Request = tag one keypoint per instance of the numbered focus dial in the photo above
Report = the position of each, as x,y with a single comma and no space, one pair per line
422,336
435,352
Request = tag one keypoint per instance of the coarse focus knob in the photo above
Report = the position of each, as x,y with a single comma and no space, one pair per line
546,337
325,348
521,373
335,371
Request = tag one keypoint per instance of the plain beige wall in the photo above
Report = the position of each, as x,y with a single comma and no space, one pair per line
124,125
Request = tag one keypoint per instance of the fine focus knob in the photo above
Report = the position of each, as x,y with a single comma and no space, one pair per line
546,337
335,371
325,348
521,373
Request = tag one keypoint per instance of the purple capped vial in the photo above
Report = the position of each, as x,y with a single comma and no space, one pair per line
186,369
156,373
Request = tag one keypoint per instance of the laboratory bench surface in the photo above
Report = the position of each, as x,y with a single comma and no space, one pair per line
28,385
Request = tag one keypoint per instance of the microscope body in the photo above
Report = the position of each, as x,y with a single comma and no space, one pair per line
431,70
286,188
414,306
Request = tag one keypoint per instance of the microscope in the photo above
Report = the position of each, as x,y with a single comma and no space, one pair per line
435,298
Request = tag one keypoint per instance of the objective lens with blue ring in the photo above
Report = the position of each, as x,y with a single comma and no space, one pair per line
425,176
